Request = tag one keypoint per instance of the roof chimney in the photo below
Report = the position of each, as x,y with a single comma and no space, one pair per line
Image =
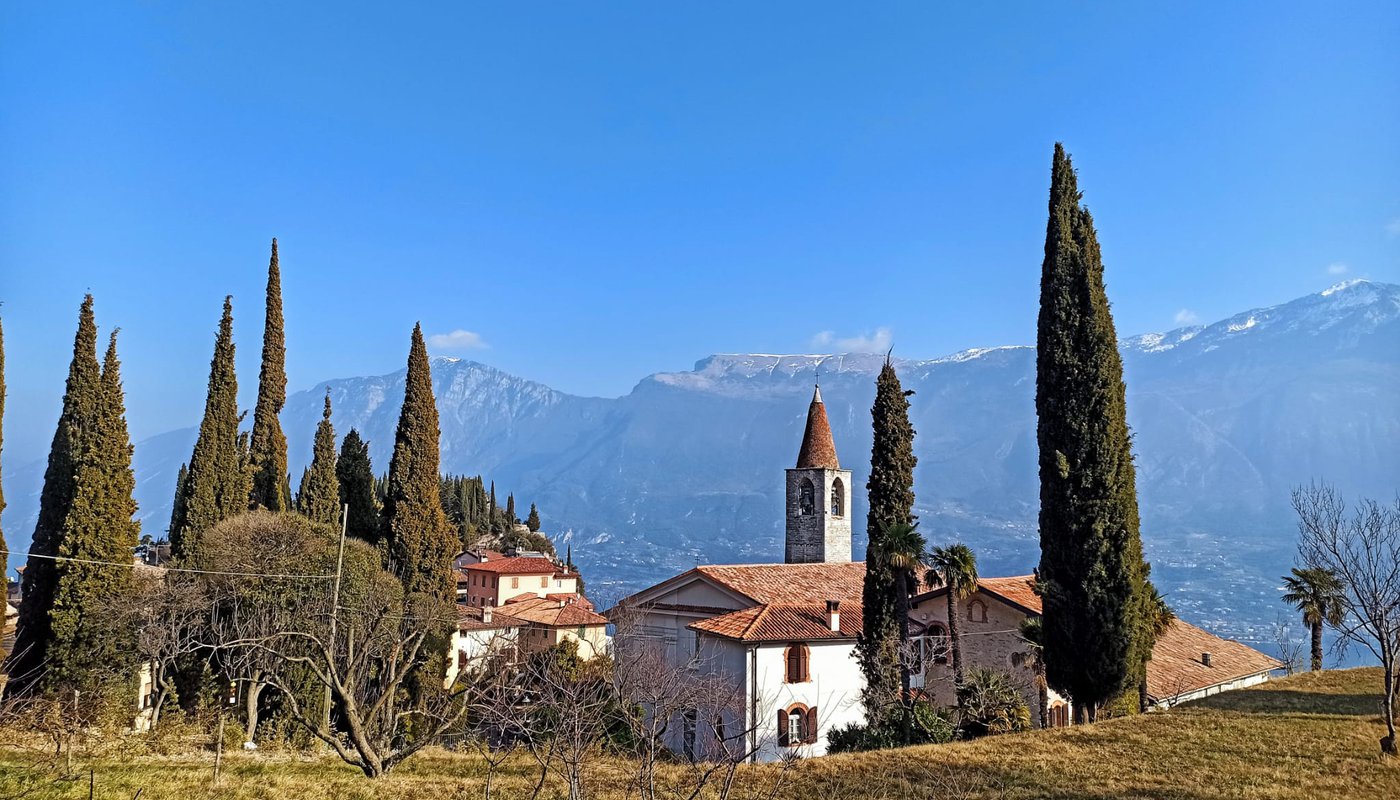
1205,659
833,615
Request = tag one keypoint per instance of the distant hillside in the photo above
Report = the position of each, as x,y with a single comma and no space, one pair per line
688,467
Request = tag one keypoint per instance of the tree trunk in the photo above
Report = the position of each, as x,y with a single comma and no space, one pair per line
1043,689
250,707
955,640
1388,744
901,610
1317,645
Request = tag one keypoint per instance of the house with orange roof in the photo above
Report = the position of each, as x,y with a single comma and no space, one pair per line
494,581
1187,662
555,619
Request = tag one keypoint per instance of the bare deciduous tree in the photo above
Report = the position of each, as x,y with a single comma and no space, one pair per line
1361,547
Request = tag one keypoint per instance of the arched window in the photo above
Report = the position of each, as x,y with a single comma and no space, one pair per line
935,643
977,611
797,659
797,724
838,499
807,498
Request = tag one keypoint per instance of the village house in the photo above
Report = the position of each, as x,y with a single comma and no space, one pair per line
494,581
785,633
1187,662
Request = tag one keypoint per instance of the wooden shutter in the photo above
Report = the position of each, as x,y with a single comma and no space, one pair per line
810,725
806,656
783,728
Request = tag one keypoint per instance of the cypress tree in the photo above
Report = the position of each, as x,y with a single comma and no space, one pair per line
355,476
318,499
510,510
533,521
4,548
267,447
217,485
87,651
180,479
891,492
1091,563
81,401
420,544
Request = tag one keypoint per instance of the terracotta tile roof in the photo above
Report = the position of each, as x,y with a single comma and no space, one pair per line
783,623
570,597
1176,667
1018,590
552,613
818,449
790,584
527,565
469,619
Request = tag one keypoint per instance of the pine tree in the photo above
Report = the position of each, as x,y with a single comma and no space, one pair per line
267,447
4,548
217,485
318,499
891,491
88,650
81,402
420,544
1097,639
533,521
355,477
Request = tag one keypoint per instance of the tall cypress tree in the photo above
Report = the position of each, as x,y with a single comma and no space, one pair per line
420,543
510,509
181,478
891,492
1091,561
88,650
81,402
217,485
355,476
267,447
318,499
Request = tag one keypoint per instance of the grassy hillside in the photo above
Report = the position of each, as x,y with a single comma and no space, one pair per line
1308,737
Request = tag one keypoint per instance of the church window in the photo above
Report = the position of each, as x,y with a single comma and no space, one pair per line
977,611
838,499
807,498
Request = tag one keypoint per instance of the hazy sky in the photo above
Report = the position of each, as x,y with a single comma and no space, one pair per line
591,192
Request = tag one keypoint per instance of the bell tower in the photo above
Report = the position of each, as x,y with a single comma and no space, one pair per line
818,496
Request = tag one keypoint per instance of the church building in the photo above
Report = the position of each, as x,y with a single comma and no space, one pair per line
783,634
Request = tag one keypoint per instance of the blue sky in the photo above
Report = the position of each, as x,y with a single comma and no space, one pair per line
601,191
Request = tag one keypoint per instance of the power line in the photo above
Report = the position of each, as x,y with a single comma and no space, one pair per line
190,570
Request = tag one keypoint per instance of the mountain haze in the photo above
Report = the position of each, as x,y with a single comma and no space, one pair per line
688,467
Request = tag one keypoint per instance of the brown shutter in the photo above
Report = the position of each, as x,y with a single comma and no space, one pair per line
811,725
782,728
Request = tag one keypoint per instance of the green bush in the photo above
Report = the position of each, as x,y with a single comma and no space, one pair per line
930,725
990,702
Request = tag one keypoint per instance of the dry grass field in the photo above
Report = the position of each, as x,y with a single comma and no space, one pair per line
1308,737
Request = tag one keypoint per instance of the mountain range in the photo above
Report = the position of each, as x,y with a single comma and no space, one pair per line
688,467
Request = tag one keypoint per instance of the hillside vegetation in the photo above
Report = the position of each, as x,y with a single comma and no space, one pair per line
1312,736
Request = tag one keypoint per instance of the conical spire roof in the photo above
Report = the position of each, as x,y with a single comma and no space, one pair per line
818,450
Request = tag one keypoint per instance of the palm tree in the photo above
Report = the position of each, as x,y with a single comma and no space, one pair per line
1159,617
1318,594
901,551
955,567
1033,657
